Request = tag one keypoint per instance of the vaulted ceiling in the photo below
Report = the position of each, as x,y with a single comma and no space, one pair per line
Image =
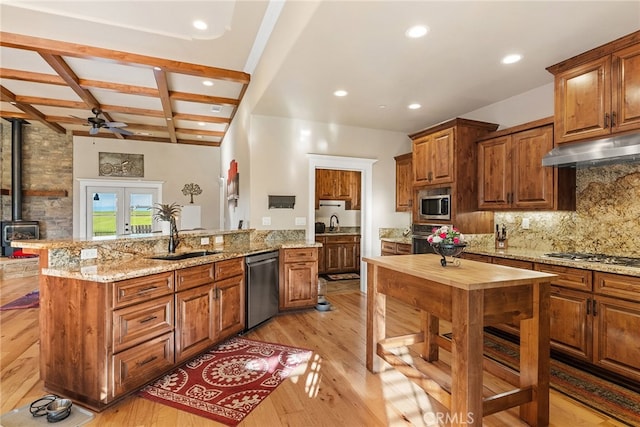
142,64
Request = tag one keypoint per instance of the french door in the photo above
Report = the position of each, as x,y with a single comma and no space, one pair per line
119,210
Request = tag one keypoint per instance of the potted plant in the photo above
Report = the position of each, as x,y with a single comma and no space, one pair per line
166,214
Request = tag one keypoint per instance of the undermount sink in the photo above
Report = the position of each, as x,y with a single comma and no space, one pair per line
186,255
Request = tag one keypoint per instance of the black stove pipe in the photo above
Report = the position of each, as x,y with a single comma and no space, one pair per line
16,169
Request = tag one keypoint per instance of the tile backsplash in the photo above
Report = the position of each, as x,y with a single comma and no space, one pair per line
606,219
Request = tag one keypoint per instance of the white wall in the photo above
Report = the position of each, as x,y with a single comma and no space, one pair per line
175,164
525,107
279,165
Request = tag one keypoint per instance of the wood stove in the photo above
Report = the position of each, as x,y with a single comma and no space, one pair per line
17,228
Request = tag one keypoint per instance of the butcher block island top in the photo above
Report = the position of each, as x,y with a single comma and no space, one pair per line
470,296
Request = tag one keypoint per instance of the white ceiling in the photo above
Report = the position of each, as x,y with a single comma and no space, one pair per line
354,45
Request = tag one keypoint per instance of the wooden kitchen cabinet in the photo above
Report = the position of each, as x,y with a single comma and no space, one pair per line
616,314
596,93
394,248
298,278
334,184
229,297
342,254
404,182
433,158
511,175
445,157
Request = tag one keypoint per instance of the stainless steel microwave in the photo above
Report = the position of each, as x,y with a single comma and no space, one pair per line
435,206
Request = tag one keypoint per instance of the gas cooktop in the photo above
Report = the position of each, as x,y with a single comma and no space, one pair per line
599,258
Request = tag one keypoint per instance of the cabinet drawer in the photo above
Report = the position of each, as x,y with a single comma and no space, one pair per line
229,268
388,247
194,276
403,249
138,323
568,277
617,285
136,366
140,289
516,263
300,254
342,239
476,257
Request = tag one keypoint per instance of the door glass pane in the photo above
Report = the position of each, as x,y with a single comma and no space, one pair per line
104,218
141,212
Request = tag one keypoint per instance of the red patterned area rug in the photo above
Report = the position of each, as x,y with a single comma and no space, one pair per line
226,383
31,300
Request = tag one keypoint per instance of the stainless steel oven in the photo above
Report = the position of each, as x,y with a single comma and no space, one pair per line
420,232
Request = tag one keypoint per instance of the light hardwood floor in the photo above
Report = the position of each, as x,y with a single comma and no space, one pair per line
335,389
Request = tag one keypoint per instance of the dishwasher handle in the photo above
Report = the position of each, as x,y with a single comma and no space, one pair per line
261,258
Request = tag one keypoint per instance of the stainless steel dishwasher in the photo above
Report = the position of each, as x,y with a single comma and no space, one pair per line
262,287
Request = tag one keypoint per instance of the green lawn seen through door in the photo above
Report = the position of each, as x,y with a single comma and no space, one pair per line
104,222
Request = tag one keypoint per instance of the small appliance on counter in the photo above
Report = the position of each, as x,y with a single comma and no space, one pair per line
320,227
501,237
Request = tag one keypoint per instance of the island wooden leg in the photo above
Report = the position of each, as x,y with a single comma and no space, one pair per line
431,329
534,358
466,357
376,318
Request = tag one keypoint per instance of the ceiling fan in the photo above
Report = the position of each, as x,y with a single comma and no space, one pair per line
98,123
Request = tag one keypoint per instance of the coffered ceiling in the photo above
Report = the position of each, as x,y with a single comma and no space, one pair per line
143,64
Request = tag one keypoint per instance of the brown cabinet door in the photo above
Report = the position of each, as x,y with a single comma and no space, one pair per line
571,322
229,300
356,190
299,287
333,258
494,173
583,101
350,257
421,160
404,183
195,324
616,336
442,154
626,89
344,187
532,183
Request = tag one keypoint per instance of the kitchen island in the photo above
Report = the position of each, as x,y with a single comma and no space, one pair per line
470,296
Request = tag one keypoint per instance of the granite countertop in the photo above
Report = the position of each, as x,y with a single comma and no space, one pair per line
132,265
540,257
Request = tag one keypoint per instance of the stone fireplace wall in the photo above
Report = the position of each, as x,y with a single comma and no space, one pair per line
47,164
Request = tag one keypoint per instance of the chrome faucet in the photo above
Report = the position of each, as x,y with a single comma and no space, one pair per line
174,239
331,226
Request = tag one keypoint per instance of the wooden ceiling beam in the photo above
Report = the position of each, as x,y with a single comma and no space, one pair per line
66,73
8,96
200,118
121,88
53,47
28,76
204,99
163,90
151,139
200,132
50,102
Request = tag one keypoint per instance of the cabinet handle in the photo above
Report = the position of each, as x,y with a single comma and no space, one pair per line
430,176
149,360
589,306
148,319
606,120
613,119
594,307
145,290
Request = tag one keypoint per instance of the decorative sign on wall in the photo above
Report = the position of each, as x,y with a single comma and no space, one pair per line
233,184
121,164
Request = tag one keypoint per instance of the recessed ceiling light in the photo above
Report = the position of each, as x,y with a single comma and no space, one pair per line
414,106
199,136
511,59
207,83
416,31
200,25
340,92
382,106
201,123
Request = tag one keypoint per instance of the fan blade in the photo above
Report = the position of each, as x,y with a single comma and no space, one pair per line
115,124
120,131
94,130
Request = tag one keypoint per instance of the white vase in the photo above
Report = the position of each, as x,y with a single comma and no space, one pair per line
165,226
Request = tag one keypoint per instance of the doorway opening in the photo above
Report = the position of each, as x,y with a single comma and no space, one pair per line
365,167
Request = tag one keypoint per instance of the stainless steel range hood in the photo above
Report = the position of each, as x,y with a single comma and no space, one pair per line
616,149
